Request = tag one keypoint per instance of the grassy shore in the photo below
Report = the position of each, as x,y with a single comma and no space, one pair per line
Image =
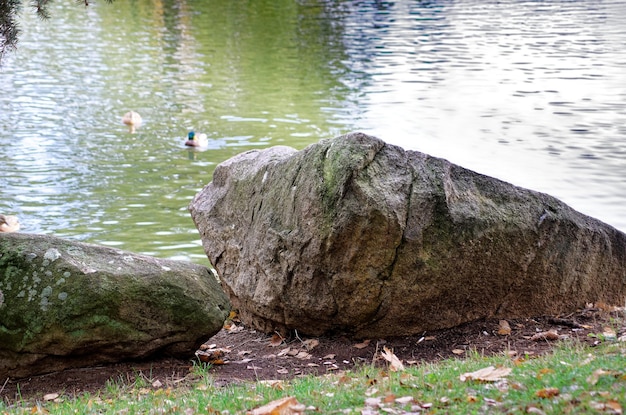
573,379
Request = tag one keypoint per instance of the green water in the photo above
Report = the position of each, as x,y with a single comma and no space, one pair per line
250,74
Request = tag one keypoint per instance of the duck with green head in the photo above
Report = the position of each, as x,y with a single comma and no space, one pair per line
196,140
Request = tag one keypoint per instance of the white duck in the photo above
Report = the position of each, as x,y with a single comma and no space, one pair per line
9,223
132,120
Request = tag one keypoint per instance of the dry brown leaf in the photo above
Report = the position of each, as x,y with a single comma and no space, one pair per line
389,398
544,371
504,329
595,376
212,356
403,400
395,363
283,352
362,345
549,335
273,383
310,344
276,340
50,396
547,393
284,406
303,355
458,351
615,406
329,356
487,374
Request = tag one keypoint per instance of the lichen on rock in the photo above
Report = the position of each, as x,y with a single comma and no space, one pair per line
68,304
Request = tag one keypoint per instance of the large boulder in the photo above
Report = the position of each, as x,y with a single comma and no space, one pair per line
356,236
68,304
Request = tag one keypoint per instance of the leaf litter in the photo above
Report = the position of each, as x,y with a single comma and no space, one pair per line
264,360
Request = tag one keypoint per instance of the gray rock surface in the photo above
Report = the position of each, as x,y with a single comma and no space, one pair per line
356,236
68,304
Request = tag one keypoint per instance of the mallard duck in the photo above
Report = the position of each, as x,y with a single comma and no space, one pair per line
132,120
196,140
9,223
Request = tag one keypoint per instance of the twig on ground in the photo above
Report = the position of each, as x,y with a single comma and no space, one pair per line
4,384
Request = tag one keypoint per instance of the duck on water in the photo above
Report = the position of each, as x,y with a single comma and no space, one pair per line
196,140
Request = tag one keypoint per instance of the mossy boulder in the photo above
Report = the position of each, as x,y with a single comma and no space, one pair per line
356,236
70,304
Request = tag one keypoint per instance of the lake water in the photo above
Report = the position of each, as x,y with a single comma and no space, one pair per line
531,92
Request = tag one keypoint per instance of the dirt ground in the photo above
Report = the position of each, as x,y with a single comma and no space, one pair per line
239,354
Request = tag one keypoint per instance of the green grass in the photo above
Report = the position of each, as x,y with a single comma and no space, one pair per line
572,380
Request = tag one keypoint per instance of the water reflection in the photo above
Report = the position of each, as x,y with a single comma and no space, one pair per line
530,92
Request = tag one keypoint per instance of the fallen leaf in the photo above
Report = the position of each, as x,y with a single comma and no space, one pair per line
403,400
303,355
329,356
547,393
544,371
213,356
284,406
595,376
609,333
373,402
273,383
282,371
157,384
534,410
284,352
395,363
458,351
549,335
518,360
276,340
362,345
310,344
208,346
504,329
487,374
615,406
50,396
233,328
389,398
